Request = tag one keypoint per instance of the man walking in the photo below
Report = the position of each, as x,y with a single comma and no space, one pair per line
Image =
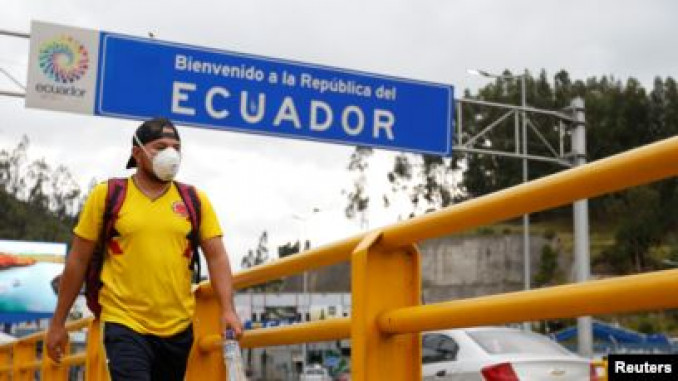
146,294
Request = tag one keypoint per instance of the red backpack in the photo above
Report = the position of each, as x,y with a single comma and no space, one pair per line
117,190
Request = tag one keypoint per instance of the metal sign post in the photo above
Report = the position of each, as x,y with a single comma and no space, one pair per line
575,121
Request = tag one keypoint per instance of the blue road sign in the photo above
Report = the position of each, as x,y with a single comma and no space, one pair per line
122,76
141,78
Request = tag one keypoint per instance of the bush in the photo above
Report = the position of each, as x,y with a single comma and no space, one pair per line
547,266
550,234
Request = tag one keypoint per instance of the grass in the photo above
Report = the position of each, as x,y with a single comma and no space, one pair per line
601,234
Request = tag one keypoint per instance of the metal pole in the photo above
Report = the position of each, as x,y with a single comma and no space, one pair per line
305,305
11,78
307,300
308,313
557,114
526,217
460,123
582,259
307,297
12,94
14,34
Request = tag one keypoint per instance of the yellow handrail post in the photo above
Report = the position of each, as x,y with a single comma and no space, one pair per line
95,364
50,370
205,323
24,353
382,280
6,363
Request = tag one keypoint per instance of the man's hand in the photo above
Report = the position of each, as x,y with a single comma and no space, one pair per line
56,340
230,320
69,287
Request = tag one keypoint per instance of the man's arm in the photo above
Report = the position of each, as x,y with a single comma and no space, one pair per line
69,287
221,279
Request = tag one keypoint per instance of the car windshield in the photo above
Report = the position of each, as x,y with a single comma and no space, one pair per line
503,342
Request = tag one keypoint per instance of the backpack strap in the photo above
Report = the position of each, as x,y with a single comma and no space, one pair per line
115,196
117,191
189,196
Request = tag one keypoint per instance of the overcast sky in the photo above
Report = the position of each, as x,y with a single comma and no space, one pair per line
260,183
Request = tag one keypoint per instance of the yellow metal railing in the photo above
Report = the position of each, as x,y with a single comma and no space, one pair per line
19,360
387,317
600,367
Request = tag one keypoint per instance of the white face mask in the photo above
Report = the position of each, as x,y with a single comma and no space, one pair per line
165,163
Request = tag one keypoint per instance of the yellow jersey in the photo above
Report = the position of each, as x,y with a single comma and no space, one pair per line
146,276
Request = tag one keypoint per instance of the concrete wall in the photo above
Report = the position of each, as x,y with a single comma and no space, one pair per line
453,267
336,278
466,266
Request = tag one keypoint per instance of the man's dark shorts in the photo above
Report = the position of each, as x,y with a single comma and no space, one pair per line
133,356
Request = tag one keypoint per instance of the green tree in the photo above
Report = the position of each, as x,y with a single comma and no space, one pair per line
548,266
435,187
358,199
259,256
288,249
38,203
620,115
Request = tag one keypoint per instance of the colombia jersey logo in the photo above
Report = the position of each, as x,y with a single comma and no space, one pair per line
63,59
179,208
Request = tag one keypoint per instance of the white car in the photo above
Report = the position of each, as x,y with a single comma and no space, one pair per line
496,353
315,373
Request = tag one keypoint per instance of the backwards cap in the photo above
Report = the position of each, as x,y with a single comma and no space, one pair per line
151,130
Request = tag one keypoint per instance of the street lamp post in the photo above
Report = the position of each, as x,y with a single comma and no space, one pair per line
523,128
582,255
304,286
580,212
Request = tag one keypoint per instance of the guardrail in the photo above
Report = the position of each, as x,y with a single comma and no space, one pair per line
387,317
19,360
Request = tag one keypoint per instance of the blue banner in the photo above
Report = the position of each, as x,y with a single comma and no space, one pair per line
141,78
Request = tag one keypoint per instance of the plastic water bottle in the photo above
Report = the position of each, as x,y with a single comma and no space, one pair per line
233,358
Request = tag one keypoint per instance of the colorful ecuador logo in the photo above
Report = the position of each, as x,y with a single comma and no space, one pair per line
63,59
